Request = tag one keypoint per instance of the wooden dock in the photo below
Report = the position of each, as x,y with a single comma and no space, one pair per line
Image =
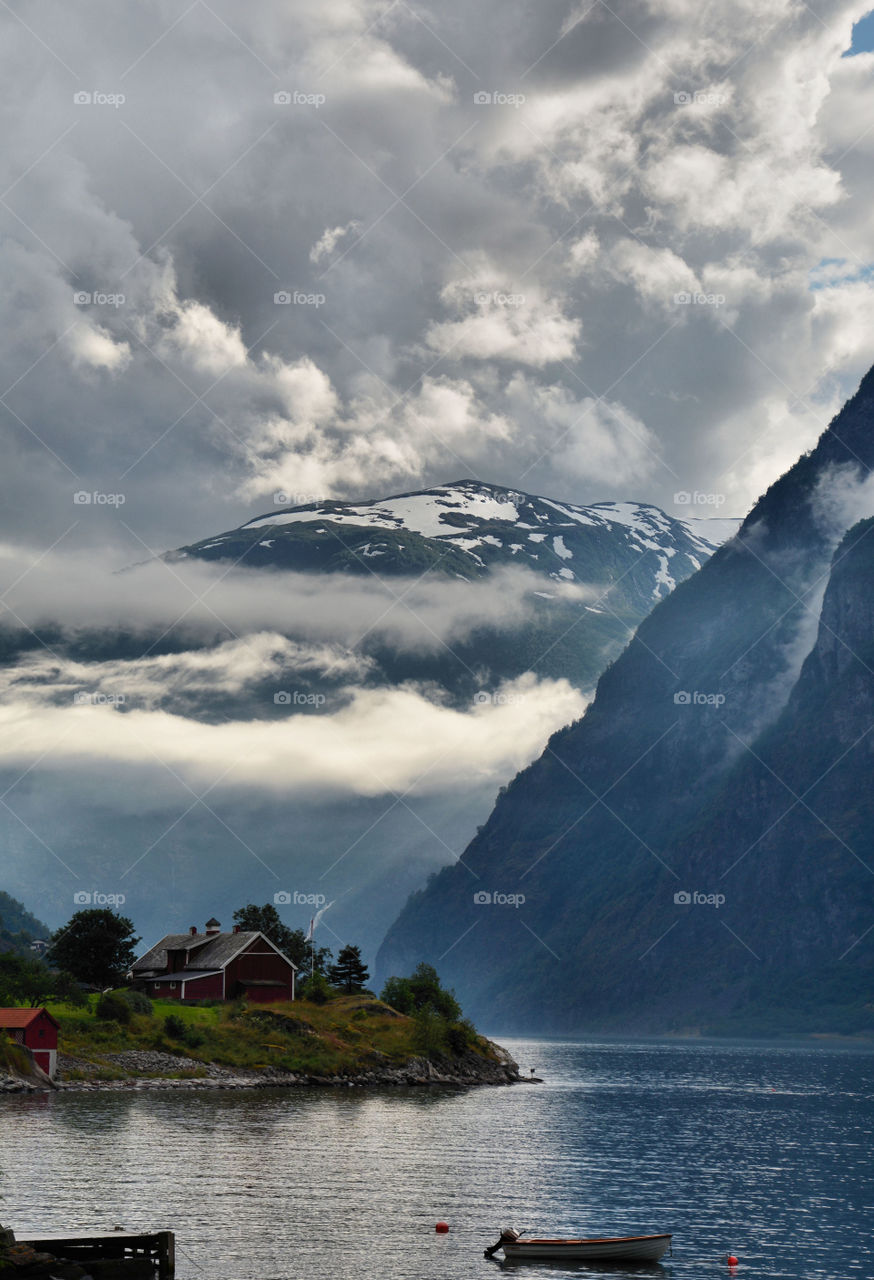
135,1254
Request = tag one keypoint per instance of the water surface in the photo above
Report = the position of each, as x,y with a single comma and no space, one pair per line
758,1150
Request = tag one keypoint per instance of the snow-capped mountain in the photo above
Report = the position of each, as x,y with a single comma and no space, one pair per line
348,684
467,529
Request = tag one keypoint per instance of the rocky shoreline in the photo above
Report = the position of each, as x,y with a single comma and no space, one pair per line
151,1069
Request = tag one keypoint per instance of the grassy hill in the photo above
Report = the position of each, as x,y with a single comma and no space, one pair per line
347,1036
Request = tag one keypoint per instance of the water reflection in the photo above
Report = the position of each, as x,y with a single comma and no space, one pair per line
761,1151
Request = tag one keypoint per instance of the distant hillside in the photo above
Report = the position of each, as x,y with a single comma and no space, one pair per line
18,927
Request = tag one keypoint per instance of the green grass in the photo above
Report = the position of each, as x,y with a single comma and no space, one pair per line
347,1034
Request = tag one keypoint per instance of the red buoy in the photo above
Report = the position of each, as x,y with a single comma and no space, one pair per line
731,1260
442,1228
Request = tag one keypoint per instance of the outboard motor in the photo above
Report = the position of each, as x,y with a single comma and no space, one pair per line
508,1236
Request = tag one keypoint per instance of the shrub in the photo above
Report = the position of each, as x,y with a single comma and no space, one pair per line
139,1002
112,1008
317,989
461,1035
429,1032
174,1027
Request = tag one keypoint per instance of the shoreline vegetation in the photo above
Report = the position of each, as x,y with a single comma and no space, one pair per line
348,1041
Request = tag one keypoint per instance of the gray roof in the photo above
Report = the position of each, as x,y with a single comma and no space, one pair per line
220,948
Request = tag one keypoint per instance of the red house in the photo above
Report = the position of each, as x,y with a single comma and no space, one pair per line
37,1030
215,966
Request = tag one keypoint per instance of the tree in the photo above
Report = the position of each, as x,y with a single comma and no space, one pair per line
96,946
421,991
350,972
291,942
26,981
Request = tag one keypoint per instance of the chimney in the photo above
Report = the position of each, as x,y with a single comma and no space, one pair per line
213,926
237,928
193,931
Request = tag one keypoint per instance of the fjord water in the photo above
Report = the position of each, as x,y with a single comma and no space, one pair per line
761,1150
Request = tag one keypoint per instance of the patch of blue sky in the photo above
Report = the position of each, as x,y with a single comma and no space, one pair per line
863,36
832,272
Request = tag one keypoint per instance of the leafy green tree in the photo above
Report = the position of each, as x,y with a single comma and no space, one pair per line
25,980
96,946
350,972
429,1032
291,942
422,990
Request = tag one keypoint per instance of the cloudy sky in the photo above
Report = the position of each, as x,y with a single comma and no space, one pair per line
347,248
483,219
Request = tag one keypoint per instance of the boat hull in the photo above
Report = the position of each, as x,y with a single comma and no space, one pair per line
609,1249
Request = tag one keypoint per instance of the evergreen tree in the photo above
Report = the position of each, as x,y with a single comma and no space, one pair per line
350,972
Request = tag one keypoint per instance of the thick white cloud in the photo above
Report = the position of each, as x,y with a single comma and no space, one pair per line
381,741
625,155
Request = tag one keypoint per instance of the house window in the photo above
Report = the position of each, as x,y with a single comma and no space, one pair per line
172,986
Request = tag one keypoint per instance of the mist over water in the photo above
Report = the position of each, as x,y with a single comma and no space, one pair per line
758,1150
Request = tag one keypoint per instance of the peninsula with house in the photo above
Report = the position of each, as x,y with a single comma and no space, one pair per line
214,1008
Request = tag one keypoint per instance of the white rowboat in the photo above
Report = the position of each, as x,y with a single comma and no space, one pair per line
595,1249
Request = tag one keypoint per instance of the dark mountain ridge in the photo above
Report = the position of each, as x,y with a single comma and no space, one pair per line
704,731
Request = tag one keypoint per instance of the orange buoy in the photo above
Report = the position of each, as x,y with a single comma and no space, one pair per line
441,1228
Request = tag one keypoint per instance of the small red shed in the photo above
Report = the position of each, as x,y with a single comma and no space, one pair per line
37,1030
